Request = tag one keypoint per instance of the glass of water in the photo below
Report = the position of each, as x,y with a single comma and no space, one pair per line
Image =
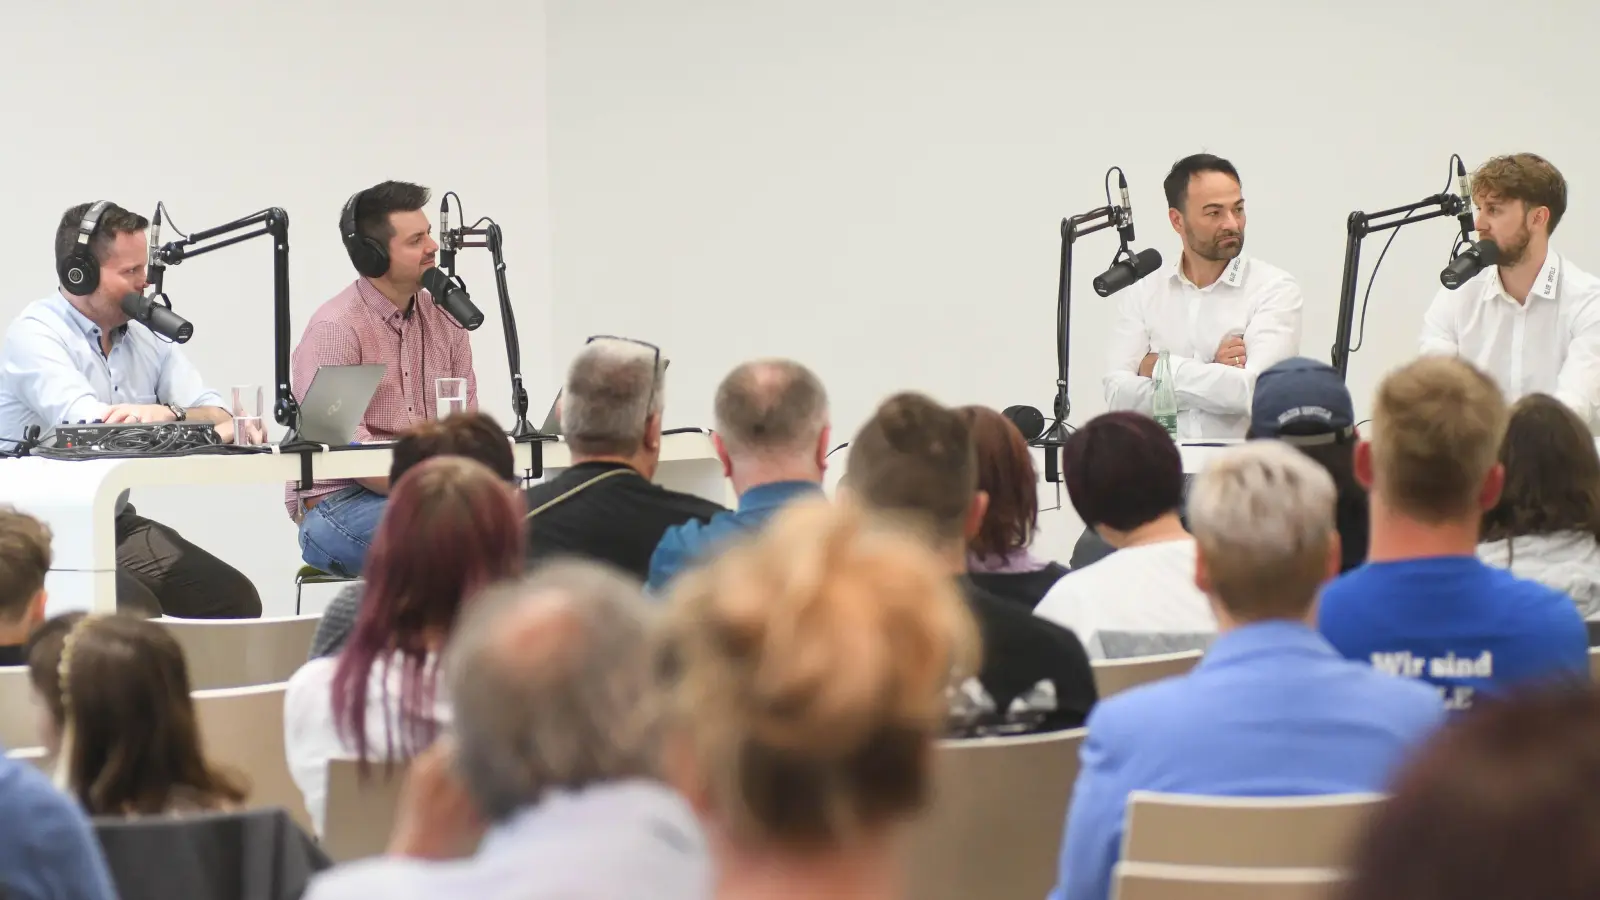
450,396
247,405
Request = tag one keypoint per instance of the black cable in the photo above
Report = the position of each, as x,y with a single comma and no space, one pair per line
1361,329
836,449
162,208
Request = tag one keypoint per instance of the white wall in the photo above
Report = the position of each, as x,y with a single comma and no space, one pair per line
874,186
221,109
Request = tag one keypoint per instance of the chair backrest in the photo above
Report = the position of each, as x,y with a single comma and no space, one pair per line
18,718
224,653
1594,663
1113,676
1295,832
209,856
1155,881
360,814
243,728
993,826
37,757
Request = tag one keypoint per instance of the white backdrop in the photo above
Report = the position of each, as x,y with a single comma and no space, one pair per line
222,109
875,187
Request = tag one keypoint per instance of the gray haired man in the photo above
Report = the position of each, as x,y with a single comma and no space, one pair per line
555,748
772,438
605,506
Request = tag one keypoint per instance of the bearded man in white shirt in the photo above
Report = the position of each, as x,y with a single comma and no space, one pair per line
1221,316
1532,321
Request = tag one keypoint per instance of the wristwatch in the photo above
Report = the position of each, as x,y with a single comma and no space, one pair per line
178,412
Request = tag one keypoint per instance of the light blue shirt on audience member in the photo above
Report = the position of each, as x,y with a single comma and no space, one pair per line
683,545
47,849
52,370
1272,710
634,838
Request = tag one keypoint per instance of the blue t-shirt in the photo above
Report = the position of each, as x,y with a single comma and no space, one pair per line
1456,623
47,851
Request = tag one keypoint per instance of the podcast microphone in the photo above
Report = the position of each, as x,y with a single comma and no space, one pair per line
447,247
157,317
1474,259
451,294
1028,420
1464,185
1126,271
1125,220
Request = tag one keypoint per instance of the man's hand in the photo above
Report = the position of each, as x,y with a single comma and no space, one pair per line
133,412
436,818
1231,351
1147,366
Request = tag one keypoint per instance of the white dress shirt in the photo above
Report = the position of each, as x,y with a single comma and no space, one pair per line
1168,312
1550,345
1138,601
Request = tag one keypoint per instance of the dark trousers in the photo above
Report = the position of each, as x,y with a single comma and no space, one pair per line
158,572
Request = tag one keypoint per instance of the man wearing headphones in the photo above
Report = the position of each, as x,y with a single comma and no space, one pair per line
386,317
75,356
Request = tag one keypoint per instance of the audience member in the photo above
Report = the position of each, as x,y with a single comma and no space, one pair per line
451,527
122,724
553,747
1501,804
772,438
24,562
914,460
1125,478
606,507
47,850
997,556
1423,605
473,435
1272,709
1304,403
1547,524
806,673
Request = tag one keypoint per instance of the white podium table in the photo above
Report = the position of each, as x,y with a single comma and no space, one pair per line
78,498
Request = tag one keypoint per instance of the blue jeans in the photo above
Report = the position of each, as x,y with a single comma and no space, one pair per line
335,534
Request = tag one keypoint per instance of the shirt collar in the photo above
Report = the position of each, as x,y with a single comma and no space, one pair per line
377,302
1274,636
775,494
64,308
1232,275
1546,285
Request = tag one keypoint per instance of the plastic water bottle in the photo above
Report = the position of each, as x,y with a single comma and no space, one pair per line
1164,404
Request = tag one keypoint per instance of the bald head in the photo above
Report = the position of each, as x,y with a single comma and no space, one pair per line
771,408
550,681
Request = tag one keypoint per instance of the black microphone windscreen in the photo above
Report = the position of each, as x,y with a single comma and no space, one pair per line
1470,262
1124,272
157,317
452,297
1028,420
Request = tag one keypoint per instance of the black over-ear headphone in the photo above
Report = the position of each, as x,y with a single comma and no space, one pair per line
79,271
370,257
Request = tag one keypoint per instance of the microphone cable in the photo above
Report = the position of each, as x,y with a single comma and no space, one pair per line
1361,331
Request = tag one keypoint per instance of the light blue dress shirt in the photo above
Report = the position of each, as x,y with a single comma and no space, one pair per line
52,370
1272,710
683,545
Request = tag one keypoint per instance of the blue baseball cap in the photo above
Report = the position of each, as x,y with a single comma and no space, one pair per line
1302,401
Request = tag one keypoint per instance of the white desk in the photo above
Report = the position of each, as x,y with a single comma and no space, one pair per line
78,498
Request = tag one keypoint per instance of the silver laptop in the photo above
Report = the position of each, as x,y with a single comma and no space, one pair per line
336,401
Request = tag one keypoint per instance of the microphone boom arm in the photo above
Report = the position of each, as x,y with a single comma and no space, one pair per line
1072,228
1357,227
273,222
493,239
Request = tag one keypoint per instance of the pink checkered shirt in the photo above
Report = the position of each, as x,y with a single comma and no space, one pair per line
361,326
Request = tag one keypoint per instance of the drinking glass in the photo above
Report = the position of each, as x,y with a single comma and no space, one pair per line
248,428
450,396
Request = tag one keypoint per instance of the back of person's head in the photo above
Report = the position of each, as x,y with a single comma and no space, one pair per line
806,672
131,744
1552,473
1503,802
1304,403
24,562
552,686
43,652
451,527
612,402
1437,425
474,435
1263,522
1122,470
772,409
915,460
1007,477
